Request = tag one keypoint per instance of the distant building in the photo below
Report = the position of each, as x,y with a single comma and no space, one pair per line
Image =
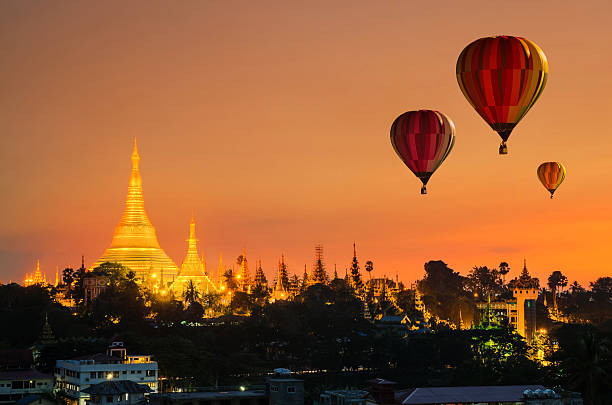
120,392
37,277
19,379
192,270
76,375
280,389
283,389
93,285
518,312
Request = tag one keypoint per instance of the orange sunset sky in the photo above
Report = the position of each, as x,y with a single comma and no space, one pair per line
270,119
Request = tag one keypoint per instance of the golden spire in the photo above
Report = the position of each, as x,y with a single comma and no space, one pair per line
135,242
192,265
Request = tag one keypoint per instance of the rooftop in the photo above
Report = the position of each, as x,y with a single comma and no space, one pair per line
210,395
117,387
443,395
27,374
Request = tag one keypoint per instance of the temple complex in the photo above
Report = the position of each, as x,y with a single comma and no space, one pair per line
134,243
35,278
192,269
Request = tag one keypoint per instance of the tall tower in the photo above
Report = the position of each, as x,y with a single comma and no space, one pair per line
319,275
134,243
525,292
192,268
245,274
355,276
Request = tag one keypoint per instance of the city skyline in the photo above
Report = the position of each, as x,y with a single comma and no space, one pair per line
273,127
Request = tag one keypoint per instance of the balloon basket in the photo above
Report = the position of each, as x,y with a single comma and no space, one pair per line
503,148
423,190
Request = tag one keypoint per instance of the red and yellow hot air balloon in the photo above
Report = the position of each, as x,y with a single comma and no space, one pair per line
502,77
423,139
551,174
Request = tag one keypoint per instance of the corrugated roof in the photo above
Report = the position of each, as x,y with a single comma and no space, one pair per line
443,395
117,387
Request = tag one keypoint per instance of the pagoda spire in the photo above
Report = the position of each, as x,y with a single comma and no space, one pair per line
192,265
134,242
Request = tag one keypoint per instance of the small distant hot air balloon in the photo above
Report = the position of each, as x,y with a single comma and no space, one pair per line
502,77
551,174
423,139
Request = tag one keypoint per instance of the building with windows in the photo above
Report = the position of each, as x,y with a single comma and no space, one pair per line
118,392
19,379
72,377
283,389
518,312
280,389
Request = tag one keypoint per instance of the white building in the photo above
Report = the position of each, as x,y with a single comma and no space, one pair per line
73,376
16,384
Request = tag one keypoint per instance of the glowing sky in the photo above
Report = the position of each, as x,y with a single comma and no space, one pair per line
270,120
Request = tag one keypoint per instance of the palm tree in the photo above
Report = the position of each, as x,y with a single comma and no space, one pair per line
369,266
504,268
191,293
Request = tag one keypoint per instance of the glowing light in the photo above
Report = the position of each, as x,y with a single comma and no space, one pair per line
134,243
163,292
242,388
109,376
154,275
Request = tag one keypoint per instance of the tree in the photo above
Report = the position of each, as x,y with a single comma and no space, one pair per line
191,293
556,279
369,267
585,361
603,285
576,288
68,278
230,280
484,281
504,268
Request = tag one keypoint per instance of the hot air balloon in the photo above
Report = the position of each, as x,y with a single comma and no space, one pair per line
502,77
551,174
423,139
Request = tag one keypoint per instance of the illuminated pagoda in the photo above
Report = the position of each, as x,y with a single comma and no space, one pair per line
244,277
35,278
134,243
192,268
281,287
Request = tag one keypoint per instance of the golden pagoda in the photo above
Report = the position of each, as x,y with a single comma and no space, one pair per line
192,268
35,278
135,242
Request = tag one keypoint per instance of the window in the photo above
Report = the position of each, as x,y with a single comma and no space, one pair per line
92,374
132,372
274,388
291,389
124,372
100,374
150,373
115,374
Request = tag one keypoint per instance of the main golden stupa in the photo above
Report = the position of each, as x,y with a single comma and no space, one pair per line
135,242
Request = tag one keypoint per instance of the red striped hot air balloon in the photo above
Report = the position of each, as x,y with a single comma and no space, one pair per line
502,77
551,175
423,139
